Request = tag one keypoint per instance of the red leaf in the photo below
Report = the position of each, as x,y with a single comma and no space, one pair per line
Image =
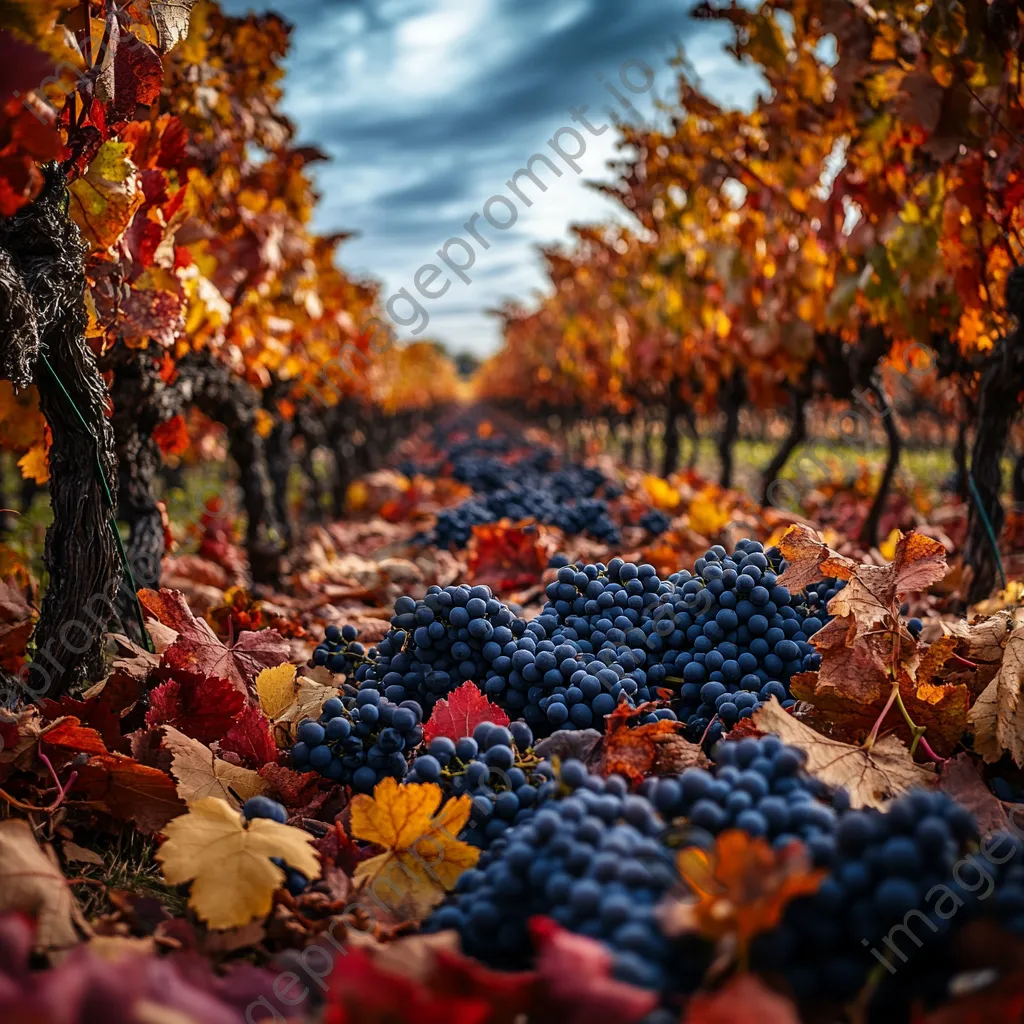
251,738
104,710
172,436
292,788
461,713
205,709
199,650
138,77
360,991
575,973
742,999
127,789
69,734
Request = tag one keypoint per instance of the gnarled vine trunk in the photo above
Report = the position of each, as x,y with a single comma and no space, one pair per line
42,339
869,530
796,436
998,408
731,398
673,409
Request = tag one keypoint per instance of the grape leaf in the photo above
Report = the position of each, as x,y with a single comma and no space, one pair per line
228,861
105,198
739,888
997,717
205,708
198,649
129,790
742,998
634,750
870,776
251,737
69,735
461,713
276,689
575,975
962,781
200,773
171,18
32,883
423,843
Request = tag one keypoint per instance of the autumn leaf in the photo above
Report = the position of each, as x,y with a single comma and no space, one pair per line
575,976
35,464
171,436
200,773
961,779
634,751
31,883
105,198
997,718
228,861
870,776
251,737
199,650
421,842
276,689
129,790
205,708
69,735
461,713
171,18
739,888
741,999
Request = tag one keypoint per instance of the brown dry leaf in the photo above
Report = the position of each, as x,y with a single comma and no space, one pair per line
998,714
963,782
200,773
983,643
870,776
31,883
919,561
307,701
742,999
79,854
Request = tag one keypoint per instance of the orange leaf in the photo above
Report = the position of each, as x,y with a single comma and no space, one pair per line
172,435
741,887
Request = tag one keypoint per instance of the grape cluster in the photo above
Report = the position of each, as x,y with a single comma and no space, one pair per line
592,861
361,744
731,637
654,521
759,786
886,870
340,650
582,515
491,767
263,807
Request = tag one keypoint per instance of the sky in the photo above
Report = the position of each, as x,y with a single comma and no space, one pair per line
428,107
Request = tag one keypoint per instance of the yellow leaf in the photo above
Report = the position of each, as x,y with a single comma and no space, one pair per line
358,495
34,464
264,423
420,842
275,688
105,199
228,861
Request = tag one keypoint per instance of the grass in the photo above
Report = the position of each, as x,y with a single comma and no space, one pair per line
128,866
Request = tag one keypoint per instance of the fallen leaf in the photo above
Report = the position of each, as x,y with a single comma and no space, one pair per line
997,717
199,650
32,883
276,689
129,790
292,788
251,737
579,744
424,844
743,998
203,707
738,889
461,713
69,735
228,861
961,779
870,776
575,975
200,773
74,852
632,750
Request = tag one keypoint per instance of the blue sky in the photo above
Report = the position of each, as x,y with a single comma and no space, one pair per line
427,107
